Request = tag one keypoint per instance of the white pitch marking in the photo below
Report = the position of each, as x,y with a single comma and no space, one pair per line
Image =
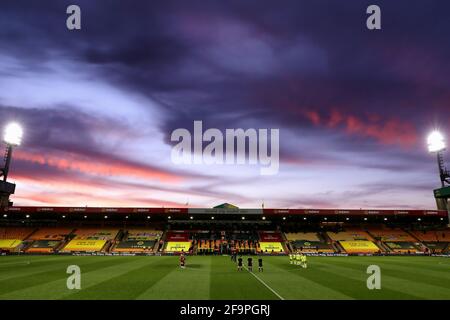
265,284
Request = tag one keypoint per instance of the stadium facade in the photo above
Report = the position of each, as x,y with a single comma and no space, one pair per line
224,229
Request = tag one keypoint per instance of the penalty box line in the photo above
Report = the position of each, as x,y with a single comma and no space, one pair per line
265,284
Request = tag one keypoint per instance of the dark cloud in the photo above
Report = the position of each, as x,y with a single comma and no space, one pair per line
59,140
310,68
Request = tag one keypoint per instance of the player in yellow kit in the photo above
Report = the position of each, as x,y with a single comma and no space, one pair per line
298,259
304,262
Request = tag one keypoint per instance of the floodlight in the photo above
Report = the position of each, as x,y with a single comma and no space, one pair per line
13,134
435,142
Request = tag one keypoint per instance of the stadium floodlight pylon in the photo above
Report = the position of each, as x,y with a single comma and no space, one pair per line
436,144
13,134
12,137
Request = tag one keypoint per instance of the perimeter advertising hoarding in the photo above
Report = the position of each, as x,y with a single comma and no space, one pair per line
225,211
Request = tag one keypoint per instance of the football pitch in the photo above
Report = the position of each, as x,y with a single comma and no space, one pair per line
215,277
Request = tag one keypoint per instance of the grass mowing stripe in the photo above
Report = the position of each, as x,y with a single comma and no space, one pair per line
437,278
57,289
215,277
353,288
50,275
25,258
433,263
229,284
191,283
26,276
350,282
294,283
33,267
127,285
265,284
393,284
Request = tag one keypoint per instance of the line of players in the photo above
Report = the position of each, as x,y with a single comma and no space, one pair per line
233,258
298,259
239,262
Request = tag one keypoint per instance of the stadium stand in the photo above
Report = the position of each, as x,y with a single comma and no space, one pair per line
349,235
308,242
16,233
396,240
359,246
354,241
433,235
47,240
393,235
11,238
9,244
270,242
307,236
50,234
271,247
138,240
91,240
209,246
146,240
178,241
436,241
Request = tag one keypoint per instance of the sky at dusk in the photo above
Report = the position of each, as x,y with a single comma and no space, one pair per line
98,105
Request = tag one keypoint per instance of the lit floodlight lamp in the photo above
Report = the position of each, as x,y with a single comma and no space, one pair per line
13,134
435,142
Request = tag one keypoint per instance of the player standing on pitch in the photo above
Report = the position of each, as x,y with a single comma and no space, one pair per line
182,261
239,267
304,262
250,263
260,264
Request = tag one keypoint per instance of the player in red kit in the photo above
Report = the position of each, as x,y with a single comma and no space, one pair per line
182,261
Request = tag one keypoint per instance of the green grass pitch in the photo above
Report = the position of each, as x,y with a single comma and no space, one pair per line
215,277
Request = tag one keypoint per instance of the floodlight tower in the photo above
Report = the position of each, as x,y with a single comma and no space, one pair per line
12,137
436,144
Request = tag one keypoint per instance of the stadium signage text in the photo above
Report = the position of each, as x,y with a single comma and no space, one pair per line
191,148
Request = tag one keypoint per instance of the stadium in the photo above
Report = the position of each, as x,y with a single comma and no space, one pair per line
132,253
179,151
